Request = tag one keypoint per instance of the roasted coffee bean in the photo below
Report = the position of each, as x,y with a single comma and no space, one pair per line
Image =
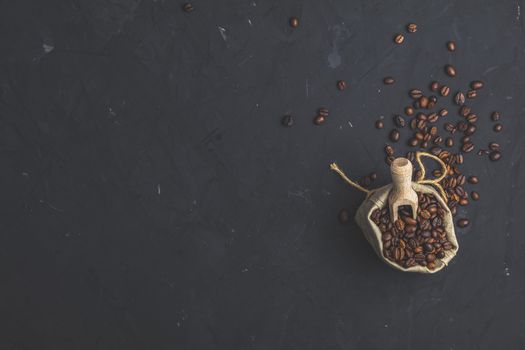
462,223
438,140
400,121
472,118
476,85
423,102
462,126
464,111
389,160
287,120
473,179
416,94
443,112
498,127
394,135
344,216
389,150
399,38
461,180
413,142
451,128
463,202
435,151
412,27
474,195
424,144
445,90
495,155
434,86
440,254
449,142
493,146
495,116
459,158
459,98
450,70
465,139
380,124
431,257
483,152
388,80
432,101
467,147
318,120
294,22
451,46
471,129
373,176
188,7
409,111
433,131
472,94
323,111
341,85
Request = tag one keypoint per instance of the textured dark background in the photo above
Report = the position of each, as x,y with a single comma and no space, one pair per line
150,198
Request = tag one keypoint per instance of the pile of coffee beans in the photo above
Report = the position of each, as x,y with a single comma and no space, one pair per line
409,242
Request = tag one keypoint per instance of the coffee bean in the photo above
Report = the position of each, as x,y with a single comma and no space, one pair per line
341,85
463,223
493,146
462,126
318,120
438,140
388,80
434,86
373,176
188,7
495,156
415,93
413,142
483,152
294,22
467,147
473,179
443,112
433,131
470,130
344,216
459,158
450,70
399,38
423,102
451,128
445,90
472,94
431,258
379,124
465,139
432,100
459,99
472,118
433,117
463,202
323,111
498,127
474,195
495,116
451,46
287,120
389,150
394,135
399,121
409,111
464,111
412,27
476,85
440,254
449,142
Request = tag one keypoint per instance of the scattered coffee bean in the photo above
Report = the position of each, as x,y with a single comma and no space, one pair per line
394,135
389,150
459,99
438,140
463,223
449,142
451,46
341,85
434,86
470,130
188,7
465,139
423,102
472,94
498,127
373,176
388,80
399,38
294,22
450,70
287,120
476,85
400,121
413,142
412,27
380,124
495,116
472,118
432,100
416,94
474,195
318,120
473,180
443,112
445,90
467,147
493,146
433,117
323,111
495,156
409,111
344,216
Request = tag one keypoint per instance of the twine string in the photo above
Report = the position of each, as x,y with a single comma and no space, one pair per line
420,180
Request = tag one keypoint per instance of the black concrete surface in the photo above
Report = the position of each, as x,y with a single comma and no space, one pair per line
150,198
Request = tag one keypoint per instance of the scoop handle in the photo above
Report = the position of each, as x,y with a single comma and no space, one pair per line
402,192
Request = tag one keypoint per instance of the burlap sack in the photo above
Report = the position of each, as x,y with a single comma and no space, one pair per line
377,199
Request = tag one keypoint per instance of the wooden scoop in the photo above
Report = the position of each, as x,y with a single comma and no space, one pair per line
402,192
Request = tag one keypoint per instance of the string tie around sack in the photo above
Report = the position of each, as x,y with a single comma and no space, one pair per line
420,179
